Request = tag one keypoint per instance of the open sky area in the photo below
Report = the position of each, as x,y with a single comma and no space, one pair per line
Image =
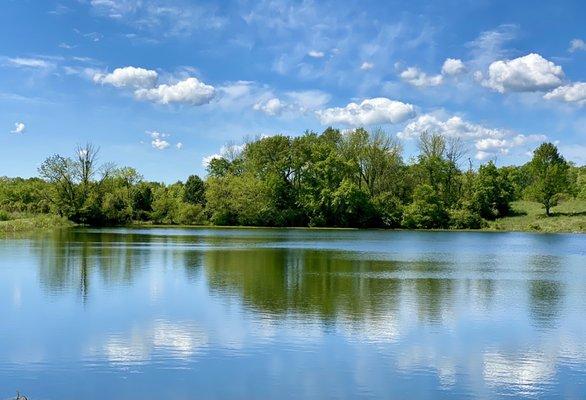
162,86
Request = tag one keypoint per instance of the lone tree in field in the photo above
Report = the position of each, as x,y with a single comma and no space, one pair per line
549,176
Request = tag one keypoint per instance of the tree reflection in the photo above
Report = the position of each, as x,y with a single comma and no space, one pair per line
286,281
329,285
546,292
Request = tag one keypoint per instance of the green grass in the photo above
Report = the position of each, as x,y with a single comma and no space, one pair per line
33,223
569,216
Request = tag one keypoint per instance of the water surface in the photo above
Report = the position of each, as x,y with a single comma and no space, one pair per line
292,314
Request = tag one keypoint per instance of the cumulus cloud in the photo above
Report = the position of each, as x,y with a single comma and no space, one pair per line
530,73
414,76
160,144
132,77
19,127
316,54
366,66
378,110
271,106
191,91
488,142
572,93
577,45
158,140
145,86
453,66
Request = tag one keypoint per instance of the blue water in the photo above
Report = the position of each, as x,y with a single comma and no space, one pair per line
292,314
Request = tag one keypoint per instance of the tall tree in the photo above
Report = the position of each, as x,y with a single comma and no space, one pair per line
194,190
549,176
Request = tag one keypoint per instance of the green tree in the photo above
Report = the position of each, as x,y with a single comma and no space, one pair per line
194,191
492,192
426,211
77,184
549,176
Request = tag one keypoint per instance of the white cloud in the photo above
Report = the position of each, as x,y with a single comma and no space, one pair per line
19,127
160,144
132,77
291,103
453,66
488,142
191,91
366,66
158,141
229,151
29,62
308,100
208,159
416,77
378,110
572,93
273,106
66,46
577,45
316,54
491,45
529,73
161,18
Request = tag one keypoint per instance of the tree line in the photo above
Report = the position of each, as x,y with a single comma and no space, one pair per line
333,179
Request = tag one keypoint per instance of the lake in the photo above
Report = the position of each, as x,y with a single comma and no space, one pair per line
292,314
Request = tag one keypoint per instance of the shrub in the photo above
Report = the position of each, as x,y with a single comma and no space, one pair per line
464,218
426,211
4,216
191,214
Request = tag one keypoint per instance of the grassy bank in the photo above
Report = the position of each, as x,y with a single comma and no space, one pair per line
33,223
569,216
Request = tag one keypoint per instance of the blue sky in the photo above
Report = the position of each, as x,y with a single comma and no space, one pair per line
164,85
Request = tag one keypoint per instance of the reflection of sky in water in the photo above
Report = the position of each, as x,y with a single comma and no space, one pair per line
315,314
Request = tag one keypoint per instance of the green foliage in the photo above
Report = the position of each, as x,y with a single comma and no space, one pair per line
388,210
239,200
352,206
142,200
24,195
492,192
4,216
194,192
465,218
351,179
167,203
426,211
117,206
549,176
191,214
580,185
33,222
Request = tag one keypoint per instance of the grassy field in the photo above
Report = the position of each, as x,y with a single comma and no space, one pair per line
569,216
33,223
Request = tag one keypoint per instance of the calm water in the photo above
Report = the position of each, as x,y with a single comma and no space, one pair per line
253,314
